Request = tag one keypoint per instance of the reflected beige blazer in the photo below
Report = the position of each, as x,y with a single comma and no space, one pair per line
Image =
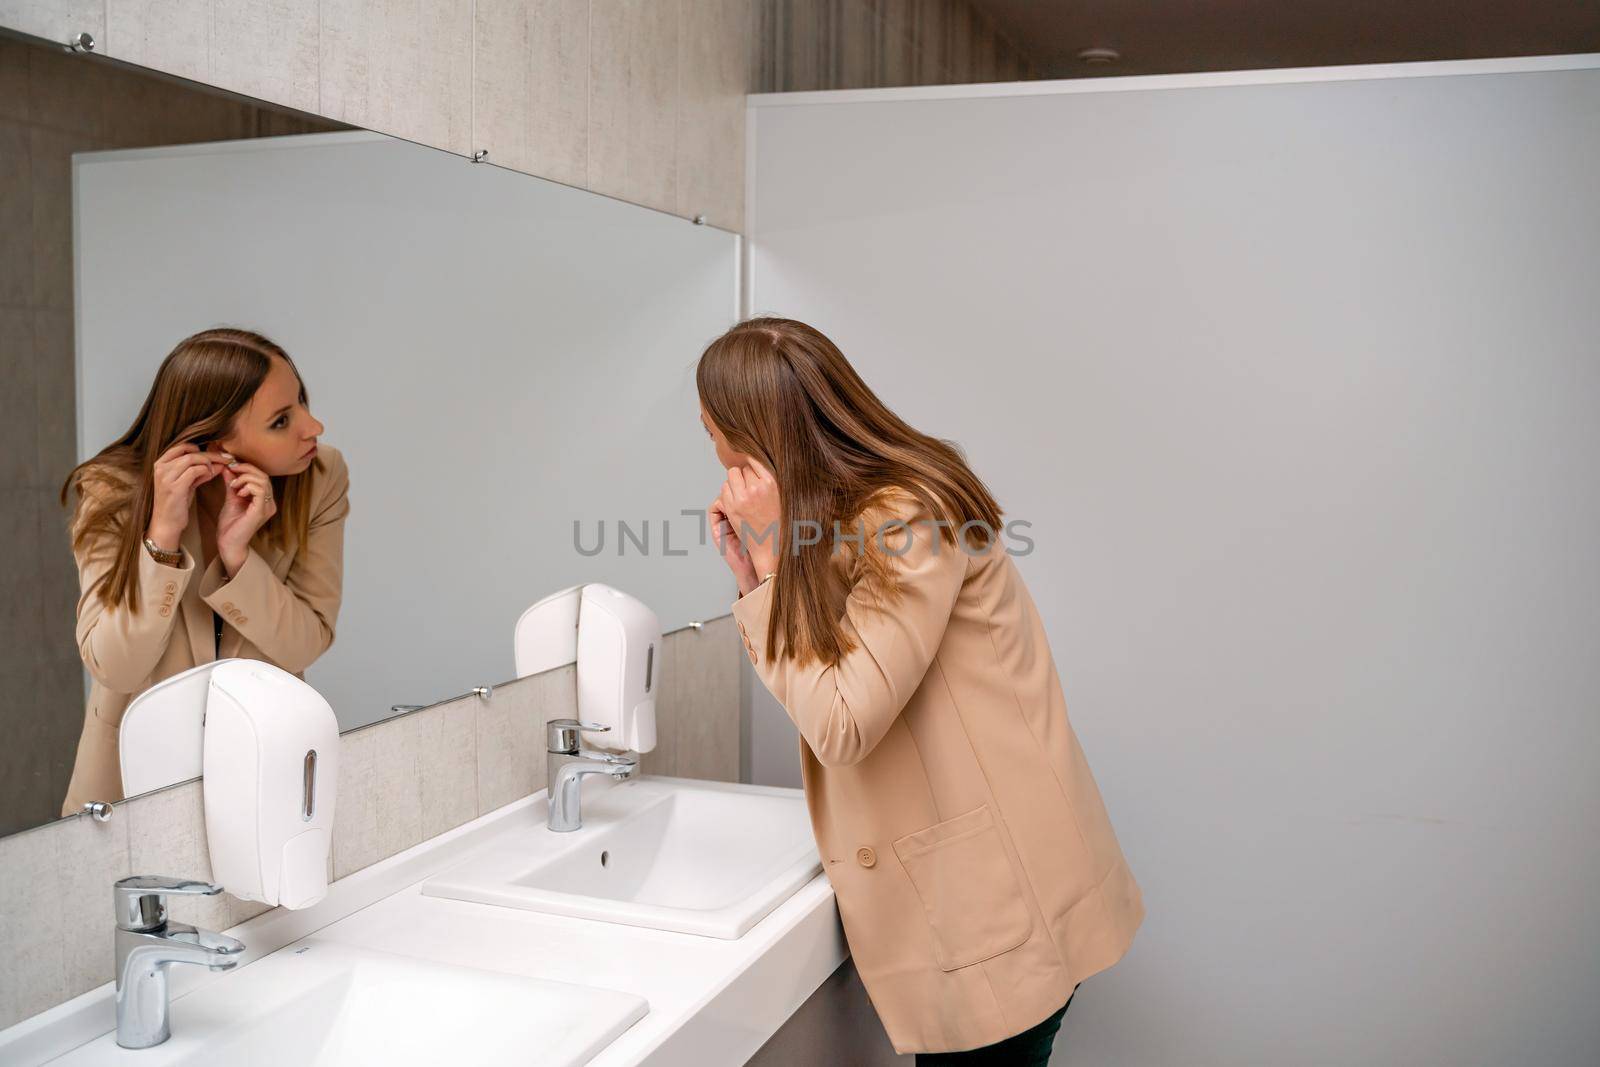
280,607
976,872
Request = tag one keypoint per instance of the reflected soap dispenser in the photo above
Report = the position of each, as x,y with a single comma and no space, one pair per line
271,768
619,668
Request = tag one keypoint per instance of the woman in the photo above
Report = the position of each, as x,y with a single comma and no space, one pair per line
976,871
213,528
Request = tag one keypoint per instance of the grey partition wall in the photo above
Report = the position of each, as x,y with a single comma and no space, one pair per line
506,362
1296,376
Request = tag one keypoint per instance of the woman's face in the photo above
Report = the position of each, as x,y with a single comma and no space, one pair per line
275,430
725,454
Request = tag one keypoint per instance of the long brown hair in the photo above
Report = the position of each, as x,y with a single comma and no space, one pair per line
199,389
781,391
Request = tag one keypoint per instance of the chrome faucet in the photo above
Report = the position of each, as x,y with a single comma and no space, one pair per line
565,766
147,943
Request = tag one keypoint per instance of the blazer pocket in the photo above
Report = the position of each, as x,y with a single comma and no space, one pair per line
968,888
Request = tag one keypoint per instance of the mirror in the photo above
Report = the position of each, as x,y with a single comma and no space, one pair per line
503,366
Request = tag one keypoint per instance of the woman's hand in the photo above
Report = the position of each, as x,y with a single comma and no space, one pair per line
731,547
751,505
246,508
179,471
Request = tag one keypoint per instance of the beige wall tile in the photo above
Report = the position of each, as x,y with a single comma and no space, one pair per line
510,741
400,68
558,91
267,49
33,967
448,768
167,836
57,921
379,810
501,71
167,35
90,856
56,20
608,97
633,101
712,84
531,86
707,735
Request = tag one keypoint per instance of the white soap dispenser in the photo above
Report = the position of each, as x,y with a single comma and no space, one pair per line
271,769
619,668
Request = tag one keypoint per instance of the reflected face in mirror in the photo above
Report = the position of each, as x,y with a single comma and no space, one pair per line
275,430
725,453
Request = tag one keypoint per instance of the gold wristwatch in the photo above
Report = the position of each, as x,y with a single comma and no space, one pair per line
161,555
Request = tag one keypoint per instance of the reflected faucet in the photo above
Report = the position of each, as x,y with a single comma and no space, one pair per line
565,766
147,943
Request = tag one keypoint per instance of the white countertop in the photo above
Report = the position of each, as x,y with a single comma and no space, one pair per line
712,1001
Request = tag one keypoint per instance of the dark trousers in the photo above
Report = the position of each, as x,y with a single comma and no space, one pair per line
1031,1048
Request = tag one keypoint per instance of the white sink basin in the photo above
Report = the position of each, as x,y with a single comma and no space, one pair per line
317,1003
710,858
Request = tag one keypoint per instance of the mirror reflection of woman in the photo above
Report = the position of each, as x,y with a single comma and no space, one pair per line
213,528
977,874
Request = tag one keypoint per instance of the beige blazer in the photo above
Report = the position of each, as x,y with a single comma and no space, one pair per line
280,607
976,872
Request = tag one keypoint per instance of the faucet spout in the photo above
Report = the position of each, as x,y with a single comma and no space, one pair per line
147,943
566,765
213,948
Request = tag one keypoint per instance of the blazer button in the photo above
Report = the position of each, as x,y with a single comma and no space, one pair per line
241,619
866,856
172,587
165,611
227,605
752,655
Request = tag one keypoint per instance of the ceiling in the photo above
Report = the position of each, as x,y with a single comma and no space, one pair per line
1175,36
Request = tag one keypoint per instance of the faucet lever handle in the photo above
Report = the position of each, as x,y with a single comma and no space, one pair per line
561,735
140,899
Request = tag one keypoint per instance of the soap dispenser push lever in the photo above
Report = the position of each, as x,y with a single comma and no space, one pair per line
146,943
566,764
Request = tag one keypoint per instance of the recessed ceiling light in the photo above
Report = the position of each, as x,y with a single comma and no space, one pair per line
1099,55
